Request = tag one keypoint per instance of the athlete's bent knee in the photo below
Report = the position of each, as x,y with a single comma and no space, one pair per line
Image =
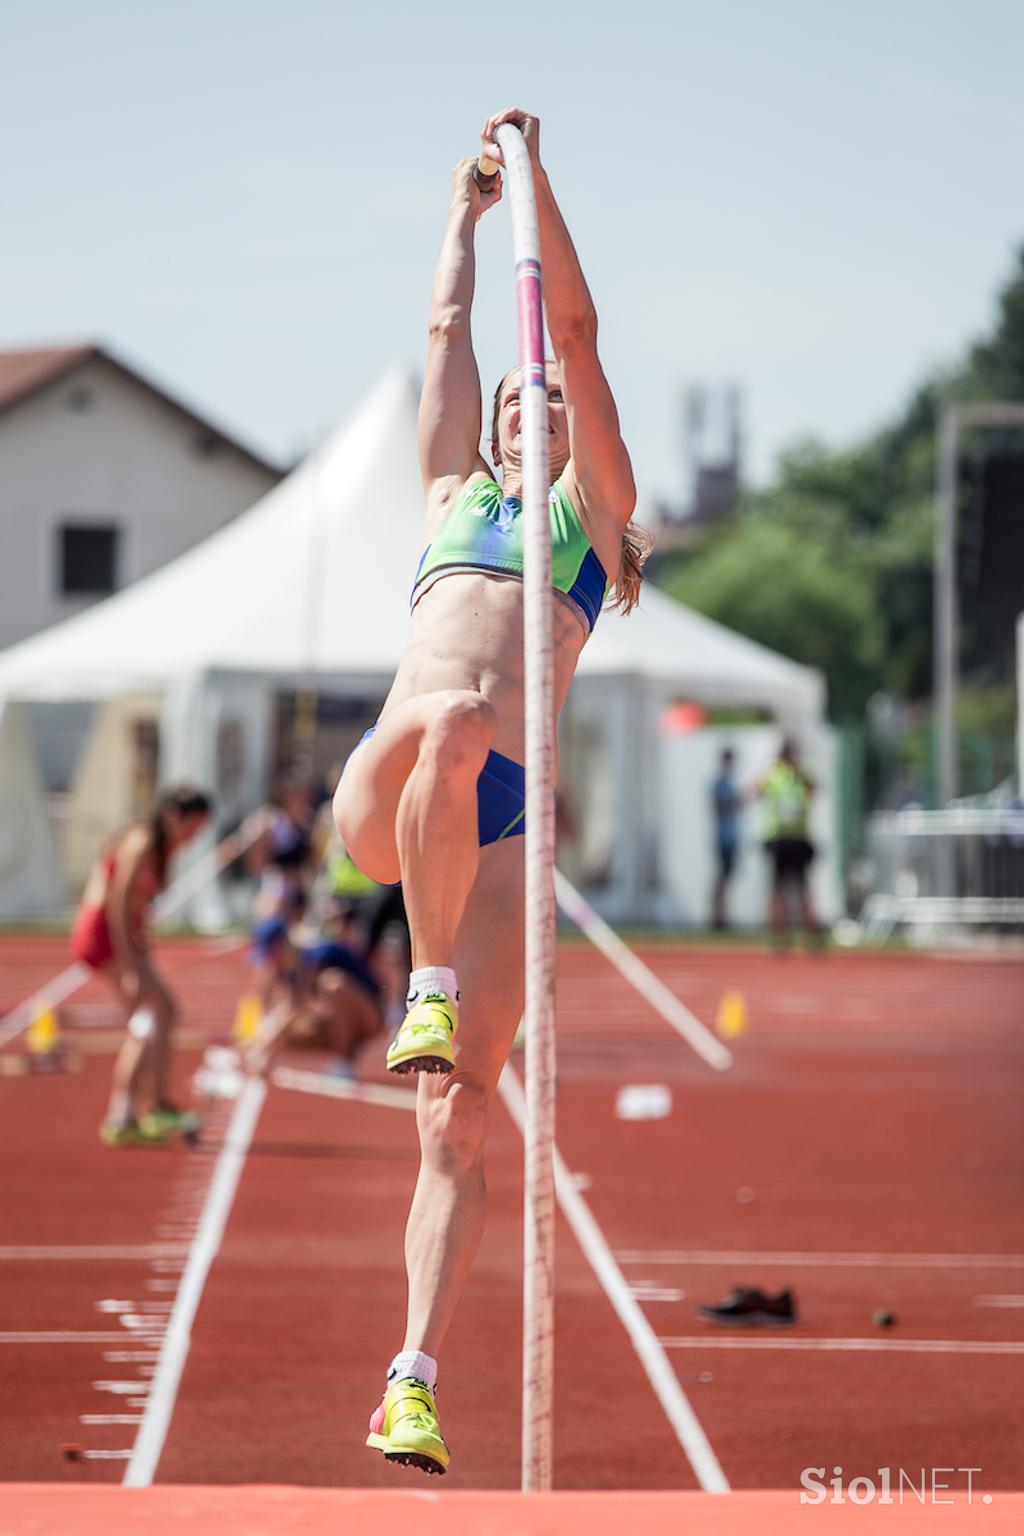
453,1123
460,733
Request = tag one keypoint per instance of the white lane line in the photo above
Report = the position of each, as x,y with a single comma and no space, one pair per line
647,983
12,1253
687,1427
110,1418
999,1301
149,1442
49,995
68,981
342,1088
827,1260
106,1455
879,1346
23,1336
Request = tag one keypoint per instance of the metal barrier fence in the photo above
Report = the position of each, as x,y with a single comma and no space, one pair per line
962,867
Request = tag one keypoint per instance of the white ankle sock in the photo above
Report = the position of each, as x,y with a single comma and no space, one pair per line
411,1362
432,978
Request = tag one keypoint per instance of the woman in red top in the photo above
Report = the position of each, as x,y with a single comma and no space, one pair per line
109,934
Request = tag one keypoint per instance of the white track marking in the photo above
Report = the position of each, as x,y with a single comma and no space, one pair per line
683,1257
149,1443
11,1253
999,1301
49,995
340,1088
107,1455
53,1336
110,1418
663,1379
640,976
874,1346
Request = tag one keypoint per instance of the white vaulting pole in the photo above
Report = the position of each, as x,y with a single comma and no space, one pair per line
539,1196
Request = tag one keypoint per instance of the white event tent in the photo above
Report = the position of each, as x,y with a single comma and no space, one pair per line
313,582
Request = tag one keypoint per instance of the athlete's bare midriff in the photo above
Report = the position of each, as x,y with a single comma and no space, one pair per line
467,632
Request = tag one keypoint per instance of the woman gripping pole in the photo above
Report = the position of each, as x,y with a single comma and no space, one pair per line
434,794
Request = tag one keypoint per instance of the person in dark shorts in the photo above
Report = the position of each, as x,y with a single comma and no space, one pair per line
321,992
786,792
726,805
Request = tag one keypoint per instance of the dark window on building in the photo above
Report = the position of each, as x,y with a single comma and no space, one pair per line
87,557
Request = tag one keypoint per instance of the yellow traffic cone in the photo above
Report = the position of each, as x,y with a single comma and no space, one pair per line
731,1018
248,1016
43,1035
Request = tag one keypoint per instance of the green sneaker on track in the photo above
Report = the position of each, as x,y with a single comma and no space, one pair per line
167,1120
406,1429
130,1133
426,1036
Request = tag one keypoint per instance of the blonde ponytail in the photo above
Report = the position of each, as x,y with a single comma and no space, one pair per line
637,544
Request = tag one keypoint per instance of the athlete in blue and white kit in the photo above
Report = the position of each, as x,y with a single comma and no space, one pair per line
433,796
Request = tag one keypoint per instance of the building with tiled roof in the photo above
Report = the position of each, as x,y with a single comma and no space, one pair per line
104,477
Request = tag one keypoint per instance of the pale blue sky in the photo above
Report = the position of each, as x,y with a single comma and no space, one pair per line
816,201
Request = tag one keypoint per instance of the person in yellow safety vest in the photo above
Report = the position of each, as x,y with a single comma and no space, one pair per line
786,792
345,878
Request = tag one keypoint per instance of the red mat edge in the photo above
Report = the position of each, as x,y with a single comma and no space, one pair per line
48,1509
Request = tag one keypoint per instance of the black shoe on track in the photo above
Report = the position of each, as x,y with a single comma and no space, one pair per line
748,1307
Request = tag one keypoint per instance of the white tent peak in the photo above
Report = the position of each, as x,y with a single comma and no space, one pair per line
315,578
261,594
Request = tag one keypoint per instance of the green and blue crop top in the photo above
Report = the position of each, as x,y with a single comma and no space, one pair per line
484,532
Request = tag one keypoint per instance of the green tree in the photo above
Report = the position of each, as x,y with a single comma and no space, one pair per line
793,590
832,564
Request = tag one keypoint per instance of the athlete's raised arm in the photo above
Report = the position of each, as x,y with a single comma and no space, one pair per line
599,463
450,408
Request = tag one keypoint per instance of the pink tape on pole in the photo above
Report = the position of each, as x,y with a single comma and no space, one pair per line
531,320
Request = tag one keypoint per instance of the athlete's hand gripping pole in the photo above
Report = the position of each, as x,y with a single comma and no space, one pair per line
486,172
538,1280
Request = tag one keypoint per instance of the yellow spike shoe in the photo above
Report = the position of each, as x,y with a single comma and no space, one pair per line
426,1037
405,1427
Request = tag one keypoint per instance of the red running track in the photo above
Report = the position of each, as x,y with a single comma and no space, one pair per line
865,1149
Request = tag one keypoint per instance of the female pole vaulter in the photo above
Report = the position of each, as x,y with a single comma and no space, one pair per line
434,794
